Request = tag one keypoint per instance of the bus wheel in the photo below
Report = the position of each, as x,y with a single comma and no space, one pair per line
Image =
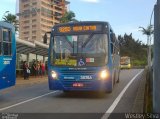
111,89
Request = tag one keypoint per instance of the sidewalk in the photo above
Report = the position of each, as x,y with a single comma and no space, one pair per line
32,80
138,106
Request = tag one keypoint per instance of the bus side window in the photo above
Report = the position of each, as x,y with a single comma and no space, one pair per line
112,36
117,48
0,41
112,48
6,42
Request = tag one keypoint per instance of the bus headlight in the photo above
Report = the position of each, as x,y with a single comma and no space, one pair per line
54,75
129,65
104,74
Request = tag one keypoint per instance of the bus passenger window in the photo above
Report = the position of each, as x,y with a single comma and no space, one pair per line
6,42
112,48
0,41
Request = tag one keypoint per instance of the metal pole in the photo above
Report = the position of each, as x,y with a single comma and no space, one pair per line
148,51
156,64
150,38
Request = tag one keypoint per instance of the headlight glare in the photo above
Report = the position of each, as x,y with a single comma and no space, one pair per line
54,75
104,74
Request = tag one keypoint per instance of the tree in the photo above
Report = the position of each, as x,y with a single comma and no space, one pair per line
12,19
148,32
67,17
134,49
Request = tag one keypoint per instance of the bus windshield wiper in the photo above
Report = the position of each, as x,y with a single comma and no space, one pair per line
68,41
85,43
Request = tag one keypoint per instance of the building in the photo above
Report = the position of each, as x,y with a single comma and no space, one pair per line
36,17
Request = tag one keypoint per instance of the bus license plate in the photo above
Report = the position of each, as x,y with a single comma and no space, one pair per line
78,85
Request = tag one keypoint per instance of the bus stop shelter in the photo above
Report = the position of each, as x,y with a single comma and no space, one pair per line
26,48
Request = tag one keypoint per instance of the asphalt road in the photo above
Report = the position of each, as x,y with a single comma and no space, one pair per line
38,99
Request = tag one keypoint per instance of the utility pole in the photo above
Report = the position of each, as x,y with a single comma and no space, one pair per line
156,64
149,51
150,38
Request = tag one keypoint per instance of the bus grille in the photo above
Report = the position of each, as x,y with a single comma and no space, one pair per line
78,72
69,82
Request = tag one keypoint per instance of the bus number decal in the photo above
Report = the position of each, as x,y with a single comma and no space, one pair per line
6,62
64,29
85,77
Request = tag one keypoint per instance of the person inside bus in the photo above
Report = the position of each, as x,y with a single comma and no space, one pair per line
95,46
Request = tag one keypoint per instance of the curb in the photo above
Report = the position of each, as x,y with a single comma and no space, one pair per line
138,106
31,81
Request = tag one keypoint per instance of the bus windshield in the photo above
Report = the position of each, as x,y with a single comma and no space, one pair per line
79,50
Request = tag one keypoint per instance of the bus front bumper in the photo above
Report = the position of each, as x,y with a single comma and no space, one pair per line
96,85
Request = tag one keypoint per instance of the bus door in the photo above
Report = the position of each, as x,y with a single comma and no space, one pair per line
7,68
115,57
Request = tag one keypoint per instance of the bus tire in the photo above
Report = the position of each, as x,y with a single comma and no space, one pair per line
113,83
110,91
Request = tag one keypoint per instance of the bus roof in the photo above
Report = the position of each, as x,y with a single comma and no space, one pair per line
81,27
7,25
81,23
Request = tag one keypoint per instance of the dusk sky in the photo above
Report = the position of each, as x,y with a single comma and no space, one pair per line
125,16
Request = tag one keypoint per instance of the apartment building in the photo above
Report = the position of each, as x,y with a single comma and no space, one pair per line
36,17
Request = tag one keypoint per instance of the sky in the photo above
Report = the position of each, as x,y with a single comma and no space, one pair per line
125,16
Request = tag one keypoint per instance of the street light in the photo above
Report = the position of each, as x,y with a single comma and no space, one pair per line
31,11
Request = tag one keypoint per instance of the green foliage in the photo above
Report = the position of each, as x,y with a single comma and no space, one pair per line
68,16
12,19
134,49
147,31
139,62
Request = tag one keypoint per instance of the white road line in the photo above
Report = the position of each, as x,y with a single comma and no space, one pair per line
29,100
114,104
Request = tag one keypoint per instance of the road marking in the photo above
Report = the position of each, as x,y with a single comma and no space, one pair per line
116,101
29,100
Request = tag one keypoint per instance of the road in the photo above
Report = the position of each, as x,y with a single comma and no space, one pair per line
37,98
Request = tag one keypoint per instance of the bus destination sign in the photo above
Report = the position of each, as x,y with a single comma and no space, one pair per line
67,29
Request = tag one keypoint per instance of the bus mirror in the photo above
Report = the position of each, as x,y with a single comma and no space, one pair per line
45,38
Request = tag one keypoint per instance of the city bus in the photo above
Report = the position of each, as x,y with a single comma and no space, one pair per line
83,56
7,55
125,62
